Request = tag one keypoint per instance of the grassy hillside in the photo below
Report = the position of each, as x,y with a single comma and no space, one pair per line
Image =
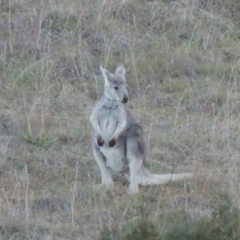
182,59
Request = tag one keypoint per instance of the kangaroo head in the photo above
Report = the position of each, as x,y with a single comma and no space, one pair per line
115,84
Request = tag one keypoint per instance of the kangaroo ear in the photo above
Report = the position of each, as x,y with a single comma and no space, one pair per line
120,71
106,74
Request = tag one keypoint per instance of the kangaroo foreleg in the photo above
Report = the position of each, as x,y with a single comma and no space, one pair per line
119,128
96,126
100,141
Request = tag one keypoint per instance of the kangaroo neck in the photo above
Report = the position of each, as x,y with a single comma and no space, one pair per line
111,104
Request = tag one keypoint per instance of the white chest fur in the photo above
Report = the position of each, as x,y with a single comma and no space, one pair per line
108,125
114,159
111,118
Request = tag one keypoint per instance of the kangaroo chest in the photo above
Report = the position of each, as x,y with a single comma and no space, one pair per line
109,120
108,123
115,159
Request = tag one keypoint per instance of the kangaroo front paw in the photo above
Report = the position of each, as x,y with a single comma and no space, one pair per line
100,141
112,142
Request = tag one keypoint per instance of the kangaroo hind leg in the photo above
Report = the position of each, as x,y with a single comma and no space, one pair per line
135,154
105,173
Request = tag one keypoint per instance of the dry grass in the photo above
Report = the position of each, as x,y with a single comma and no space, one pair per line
182,59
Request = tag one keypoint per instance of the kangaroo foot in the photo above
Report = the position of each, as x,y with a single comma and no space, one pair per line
100,141
112,142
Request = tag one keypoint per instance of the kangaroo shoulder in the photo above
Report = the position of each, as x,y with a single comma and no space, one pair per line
130,118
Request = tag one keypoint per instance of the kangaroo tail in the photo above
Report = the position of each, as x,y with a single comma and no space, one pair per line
146,178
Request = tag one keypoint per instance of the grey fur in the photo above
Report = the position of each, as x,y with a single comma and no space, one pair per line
117,139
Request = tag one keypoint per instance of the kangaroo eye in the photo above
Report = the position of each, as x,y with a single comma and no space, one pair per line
116,88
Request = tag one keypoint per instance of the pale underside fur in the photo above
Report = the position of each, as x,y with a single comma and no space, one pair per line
117,139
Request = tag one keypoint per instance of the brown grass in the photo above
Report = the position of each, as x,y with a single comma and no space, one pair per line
182,60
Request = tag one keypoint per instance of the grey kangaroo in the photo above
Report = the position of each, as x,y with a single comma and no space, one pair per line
117,139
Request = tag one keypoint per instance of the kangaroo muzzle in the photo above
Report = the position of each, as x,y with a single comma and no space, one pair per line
125,100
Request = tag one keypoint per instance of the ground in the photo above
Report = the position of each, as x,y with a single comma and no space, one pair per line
182,60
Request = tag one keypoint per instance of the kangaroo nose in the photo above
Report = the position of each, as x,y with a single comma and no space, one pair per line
125,100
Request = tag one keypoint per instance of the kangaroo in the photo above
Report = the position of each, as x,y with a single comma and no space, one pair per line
118,140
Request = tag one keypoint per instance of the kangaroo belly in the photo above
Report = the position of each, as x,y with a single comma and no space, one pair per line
115,159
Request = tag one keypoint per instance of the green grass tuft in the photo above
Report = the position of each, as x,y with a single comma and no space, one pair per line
43,141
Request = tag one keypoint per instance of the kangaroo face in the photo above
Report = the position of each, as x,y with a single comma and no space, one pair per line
115,84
